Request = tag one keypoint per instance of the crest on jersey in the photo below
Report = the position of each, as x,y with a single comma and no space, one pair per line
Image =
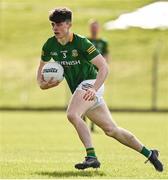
74,53
54,53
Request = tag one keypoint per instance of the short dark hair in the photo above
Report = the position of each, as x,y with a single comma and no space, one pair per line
60,15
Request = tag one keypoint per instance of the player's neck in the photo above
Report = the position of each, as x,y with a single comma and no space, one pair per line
65,39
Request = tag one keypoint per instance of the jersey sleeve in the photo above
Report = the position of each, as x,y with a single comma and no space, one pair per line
89,49
45,54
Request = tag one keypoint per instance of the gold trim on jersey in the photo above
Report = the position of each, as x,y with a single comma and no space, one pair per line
91,49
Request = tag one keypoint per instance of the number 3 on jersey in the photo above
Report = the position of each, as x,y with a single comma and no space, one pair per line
64,53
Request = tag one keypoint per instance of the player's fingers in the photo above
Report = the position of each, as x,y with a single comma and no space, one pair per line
91,98
55,83
52,84
42,77
86,94
87,97
50,80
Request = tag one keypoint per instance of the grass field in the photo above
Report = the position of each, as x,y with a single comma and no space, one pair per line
45,145
24,27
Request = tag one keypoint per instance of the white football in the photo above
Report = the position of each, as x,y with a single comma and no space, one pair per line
53,70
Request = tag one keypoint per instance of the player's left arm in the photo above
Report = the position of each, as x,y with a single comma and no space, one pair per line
106,57
102,66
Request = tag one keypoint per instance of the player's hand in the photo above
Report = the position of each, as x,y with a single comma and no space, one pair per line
48,84
90,94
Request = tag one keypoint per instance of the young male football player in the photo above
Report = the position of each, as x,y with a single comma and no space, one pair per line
78,56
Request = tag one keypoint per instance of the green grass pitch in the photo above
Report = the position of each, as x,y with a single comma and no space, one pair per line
45,145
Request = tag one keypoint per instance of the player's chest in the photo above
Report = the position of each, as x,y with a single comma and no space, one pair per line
65,53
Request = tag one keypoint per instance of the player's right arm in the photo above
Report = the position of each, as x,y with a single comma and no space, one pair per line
45,57
42,83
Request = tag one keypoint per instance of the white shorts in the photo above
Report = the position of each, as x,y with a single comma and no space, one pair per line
84,85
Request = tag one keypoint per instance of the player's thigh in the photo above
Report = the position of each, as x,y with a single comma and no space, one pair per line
101,116
77,104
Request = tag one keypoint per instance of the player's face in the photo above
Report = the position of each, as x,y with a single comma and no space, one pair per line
60,29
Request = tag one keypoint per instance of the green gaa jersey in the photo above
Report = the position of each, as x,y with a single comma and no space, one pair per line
101,45
75,57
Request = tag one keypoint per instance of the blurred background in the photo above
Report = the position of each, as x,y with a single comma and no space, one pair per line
39,144
24,27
